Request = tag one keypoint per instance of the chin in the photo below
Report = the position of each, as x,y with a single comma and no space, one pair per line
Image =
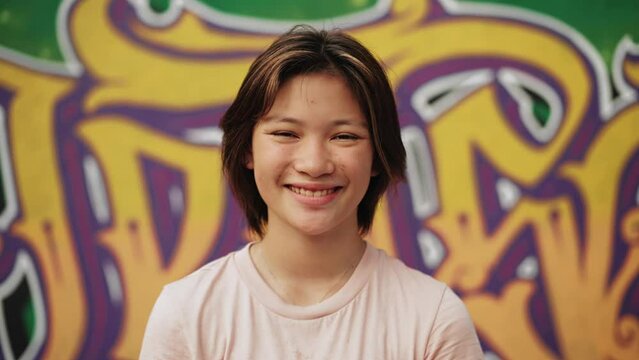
315,229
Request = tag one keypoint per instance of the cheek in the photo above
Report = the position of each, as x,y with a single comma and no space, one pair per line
263,182
268,166
360,160
359,169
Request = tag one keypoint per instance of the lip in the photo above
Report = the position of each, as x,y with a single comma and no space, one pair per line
313,186
314,194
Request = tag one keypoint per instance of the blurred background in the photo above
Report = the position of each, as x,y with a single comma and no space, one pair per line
520,119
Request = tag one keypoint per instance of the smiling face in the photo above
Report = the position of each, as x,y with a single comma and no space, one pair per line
312,156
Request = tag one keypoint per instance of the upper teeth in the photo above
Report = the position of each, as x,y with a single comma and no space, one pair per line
312,193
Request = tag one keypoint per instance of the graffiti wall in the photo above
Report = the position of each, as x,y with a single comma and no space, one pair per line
520,119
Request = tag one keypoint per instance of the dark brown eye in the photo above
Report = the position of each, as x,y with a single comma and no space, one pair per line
345,136
285,134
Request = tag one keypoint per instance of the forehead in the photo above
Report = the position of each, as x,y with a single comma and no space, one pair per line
314,96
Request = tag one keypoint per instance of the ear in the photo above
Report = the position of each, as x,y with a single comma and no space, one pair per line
248,162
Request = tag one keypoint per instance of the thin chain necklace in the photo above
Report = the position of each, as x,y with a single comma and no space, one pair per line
328,292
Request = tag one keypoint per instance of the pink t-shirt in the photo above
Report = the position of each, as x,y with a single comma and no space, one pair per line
386,310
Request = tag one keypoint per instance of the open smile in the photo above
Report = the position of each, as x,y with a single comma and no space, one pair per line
313,193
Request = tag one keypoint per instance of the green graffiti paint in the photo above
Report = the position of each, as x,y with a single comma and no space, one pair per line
303,10
28,318
19,32
159,6
541,109
19,317
602,22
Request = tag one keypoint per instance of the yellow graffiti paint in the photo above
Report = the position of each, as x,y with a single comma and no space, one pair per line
584,299
119,144
44,224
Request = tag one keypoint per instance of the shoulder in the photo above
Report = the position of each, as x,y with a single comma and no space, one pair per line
212,274
453,334
410,280
169,330
203,291
444,322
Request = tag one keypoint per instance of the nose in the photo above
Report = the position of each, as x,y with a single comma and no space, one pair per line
314,159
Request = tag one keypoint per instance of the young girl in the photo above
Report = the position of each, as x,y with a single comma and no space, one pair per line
311,143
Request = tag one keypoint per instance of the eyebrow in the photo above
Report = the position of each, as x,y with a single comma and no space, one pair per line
295,121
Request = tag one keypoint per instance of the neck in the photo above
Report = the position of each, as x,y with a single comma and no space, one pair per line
305,269
311,257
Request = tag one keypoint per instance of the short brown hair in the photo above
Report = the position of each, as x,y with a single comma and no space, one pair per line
304,50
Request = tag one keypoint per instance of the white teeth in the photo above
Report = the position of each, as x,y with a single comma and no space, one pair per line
311,193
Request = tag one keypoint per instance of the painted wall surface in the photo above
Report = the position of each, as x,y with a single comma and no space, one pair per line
521,122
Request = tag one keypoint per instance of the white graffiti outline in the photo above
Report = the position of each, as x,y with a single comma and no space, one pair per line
11,203
71,66
625,47
114,284
176,200
458,85
24,268
148,16
608,106
508,194
420,172
252,24
513,80
431,248
210,135
528,269
96,190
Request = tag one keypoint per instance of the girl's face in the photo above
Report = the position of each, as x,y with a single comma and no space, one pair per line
312,156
